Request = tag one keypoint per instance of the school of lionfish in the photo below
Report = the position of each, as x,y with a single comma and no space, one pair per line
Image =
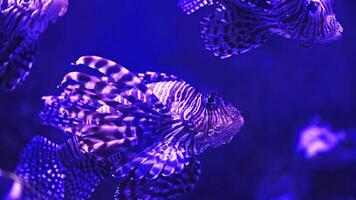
144,129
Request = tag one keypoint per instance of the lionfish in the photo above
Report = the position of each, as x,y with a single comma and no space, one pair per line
21,24
144,129
238,26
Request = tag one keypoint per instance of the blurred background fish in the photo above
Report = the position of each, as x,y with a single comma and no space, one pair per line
10,186
238,26
321,168
21,24
146,128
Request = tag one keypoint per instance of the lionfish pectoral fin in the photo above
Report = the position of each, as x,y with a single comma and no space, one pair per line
153,162
17,48
102,141
190,6
16,61
50,171
112,135
233,31
163,187
155,77
121,77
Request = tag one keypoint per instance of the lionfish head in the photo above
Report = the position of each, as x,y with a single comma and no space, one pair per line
219,123
49,10
313,22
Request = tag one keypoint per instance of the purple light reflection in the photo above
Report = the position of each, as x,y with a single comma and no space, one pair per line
316,139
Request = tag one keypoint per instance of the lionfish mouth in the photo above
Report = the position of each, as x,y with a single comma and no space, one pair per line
336,34
224,133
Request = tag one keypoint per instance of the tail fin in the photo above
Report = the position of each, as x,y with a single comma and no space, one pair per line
51,171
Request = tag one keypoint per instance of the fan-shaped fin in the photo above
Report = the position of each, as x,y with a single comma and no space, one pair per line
232,31
50,171
119,75
164,187
17,46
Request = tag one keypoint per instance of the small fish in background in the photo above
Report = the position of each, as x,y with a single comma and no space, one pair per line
318,138
320,168
21,24
10,186
319,143
238,26
146,129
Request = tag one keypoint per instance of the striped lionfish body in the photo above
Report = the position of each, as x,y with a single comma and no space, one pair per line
21,24
238,26
148,128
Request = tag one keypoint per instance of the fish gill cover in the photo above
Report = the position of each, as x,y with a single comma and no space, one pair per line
21,24
145,129
238,26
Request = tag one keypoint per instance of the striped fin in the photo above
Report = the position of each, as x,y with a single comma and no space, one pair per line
164,187
106,139
16,21
16,49
155,77
164,157
119,75
232,31
190,6
72,108
102,134
17,67
51,171
114,135
106,89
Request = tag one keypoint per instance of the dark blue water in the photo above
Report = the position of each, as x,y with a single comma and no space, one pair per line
278,87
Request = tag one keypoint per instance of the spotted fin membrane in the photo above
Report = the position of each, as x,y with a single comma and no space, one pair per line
51,171
190,6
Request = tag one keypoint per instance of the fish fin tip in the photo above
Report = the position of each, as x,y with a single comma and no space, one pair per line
190,6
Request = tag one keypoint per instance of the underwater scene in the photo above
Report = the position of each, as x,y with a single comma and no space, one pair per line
180,99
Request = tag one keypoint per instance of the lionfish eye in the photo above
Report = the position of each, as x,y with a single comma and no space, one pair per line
26,2
313,6
211,102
